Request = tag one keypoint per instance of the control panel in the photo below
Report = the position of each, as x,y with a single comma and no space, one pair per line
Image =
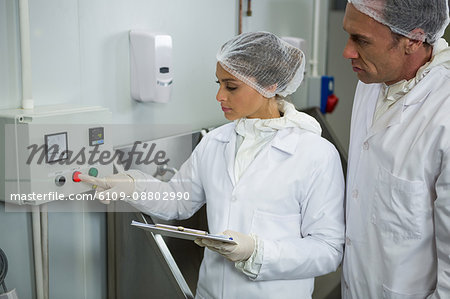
46,150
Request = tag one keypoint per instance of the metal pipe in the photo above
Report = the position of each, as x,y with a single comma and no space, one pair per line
249,8
316,38
240,17
25,54
37,247
44,238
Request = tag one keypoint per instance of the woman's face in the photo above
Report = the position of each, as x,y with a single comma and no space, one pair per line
239,100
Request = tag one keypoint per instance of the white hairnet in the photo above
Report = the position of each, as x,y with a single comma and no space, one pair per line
403,16
264,62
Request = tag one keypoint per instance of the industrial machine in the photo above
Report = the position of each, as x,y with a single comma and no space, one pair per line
47,147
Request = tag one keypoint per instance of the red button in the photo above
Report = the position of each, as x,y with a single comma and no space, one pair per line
75,177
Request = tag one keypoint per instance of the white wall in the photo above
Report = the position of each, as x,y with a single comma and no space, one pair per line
79,53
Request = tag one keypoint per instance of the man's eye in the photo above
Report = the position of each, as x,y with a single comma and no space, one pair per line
362,42
359,41
231,88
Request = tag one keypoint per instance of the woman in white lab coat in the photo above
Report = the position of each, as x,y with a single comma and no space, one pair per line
268,179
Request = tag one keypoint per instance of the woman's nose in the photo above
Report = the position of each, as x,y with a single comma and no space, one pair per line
220,96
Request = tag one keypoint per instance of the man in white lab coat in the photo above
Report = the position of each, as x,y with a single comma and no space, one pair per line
398,186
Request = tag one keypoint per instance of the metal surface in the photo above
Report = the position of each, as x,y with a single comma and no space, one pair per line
142,264
168,258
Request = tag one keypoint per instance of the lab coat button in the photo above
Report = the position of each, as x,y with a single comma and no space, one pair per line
355,193
366,145
348,242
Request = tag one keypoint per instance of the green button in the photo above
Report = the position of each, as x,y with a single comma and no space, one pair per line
93,171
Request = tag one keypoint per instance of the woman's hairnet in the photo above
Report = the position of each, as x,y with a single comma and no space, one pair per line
264,62
403,16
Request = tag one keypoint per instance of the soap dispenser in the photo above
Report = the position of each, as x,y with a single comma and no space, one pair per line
151,66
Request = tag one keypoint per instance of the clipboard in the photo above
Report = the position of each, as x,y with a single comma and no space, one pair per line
181,232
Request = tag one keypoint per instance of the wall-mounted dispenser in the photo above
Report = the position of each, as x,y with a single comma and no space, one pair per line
151,66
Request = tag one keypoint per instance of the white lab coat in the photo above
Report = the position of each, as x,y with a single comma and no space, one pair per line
398,194
290,196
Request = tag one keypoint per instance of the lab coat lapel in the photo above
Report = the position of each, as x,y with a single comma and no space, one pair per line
283,142
228,137
391,117
394,115
371,105
230,154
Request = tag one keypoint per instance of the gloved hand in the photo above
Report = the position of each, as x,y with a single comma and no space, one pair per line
233,252
112,187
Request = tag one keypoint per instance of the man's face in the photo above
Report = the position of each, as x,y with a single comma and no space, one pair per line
374,54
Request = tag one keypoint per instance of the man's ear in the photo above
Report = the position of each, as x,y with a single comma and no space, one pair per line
414,44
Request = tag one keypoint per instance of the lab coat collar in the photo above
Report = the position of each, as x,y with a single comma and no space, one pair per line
371,103
419,92
394,114
228,135
225,133
286,141
391,117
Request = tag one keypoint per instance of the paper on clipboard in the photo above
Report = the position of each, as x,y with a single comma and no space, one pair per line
181,232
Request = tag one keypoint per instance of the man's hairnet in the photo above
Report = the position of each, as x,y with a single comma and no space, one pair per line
264,62
403,16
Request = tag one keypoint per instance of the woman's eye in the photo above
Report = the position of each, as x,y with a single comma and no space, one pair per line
228,87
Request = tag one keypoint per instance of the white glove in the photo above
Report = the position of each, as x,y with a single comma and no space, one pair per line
112,187
233,252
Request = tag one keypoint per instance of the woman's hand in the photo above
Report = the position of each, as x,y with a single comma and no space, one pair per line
112,187
241,251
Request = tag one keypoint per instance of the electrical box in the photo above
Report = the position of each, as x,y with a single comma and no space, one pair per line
43,151
151,66
321,93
